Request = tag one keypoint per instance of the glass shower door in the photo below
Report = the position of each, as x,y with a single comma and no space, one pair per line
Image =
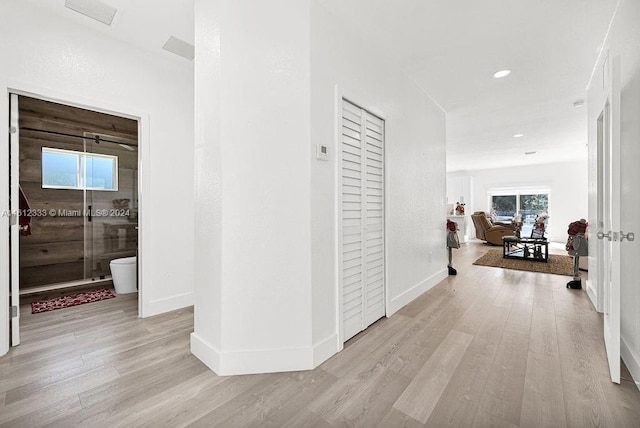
52,248
110,168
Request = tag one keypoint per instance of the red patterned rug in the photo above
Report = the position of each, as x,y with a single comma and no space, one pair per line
73,300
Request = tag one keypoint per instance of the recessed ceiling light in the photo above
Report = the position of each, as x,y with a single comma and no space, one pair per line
94,9
578,103
530,153
518,135
502,73
180,47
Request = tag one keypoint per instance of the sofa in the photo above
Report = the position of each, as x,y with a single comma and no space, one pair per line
488,232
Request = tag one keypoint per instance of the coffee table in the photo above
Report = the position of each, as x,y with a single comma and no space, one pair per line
533,249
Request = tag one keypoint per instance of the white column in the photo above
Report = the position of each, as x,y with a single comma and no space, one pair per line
252,186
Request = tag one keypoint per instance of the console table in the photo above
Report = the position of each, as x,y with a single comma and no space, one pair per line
534,249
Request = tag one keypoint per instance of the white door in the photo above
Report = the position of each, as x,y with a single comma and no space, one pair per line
14,233
361,226
599,272
609,223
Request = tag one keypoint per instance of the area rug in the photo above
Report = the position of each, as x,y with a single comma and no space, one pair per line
73,300
557,264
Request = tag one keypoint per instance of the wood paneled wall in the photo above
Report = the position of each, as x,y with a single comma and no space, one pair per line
70,248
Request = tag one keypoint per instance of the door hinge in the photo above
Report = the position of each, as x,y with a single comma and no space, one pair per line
13,130
14,311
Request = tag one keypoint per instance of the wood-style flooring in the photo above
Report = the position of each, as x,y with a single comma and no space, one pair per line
486,348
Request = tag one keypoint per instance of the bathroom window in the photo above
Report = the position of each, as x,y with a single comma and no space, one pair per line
68,169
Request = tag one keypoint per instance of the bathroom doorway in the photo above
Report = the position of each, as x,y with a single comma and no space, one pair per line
77,196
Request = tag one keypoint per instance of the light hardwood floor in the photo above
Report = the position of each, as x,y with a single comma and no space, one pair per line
488,347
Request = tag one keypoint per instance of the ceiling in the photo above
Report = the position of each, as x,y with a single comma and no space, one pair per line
450,48
146,24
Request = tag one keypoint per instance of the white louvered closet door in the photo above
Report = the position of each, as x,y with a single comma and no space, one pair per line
362,211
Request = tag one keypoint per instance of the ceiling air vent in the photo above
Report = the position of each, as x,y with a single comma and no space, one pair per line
94,9
179,47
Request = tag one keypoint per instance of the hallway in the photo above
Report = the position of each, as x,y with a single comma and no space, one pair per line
488,347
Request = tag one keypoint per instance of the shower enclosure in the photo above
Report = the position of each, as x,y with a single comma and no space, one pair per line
79,177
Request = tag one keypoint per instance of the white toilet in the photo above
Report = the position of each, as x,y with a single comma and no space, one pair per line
123,274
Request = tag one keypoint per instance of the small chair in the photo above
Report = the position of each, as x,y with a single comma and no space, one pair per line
537,233
488,232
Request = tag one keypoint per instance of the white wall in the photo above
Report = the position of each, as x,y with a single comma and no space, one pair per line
68,63
266,279
623,41
567,181
415,166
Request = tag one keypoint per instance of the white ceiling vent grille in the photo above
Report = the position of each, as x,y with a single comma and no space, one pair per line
94,9
180,47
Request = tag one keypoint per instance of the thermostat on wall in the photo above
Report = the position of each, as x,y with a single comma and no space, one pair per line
322,152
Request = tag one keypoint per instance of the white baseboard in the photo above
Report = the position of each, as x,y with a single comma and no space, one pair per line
592,293
396,303
631,360
252,361
325,349
168,304
205,352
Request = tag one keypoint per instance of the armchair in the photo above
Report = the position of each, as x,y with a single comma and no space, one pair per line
488,232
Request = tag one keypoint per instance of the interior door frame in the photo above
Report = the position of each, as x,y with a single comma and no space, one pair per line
14,225
599,272
144,183
340,95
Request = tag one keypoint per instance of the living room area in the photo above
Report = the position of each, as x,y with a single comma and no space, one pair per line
562,187
504,202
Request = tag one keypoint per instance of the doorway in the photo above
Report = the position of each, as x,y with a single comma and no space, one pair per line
74,183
